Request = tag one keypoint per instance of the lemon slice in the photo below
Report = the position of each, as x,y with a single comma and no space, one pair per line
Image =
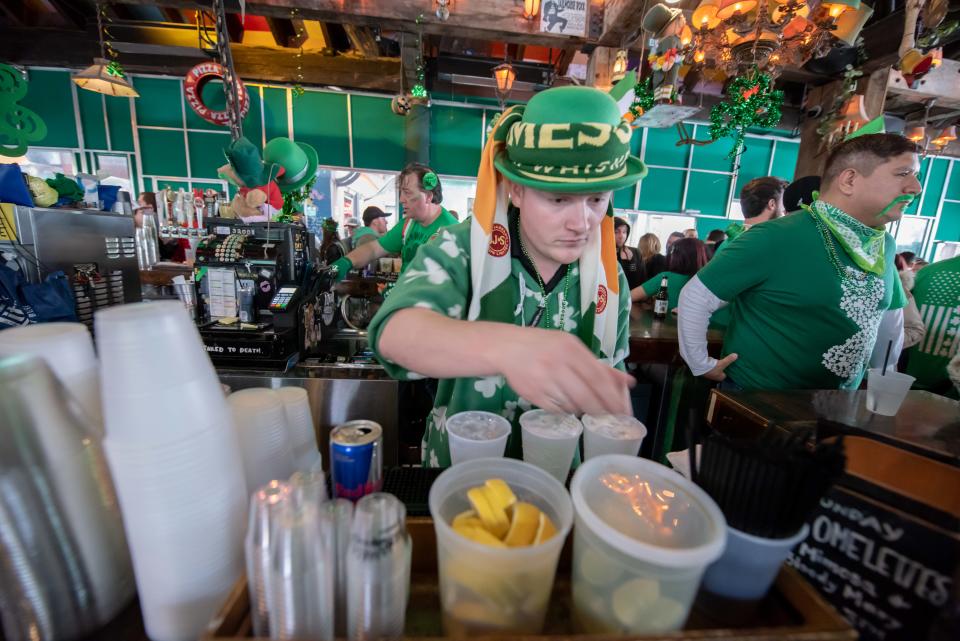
545,530
494,518
632,600
666,614
479,535
467,517
597,568
524,526
500,494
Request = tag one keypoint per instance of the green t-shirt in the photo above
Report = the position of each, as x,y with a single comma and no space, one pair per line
675,283
406,237
439,279
794,323
937,294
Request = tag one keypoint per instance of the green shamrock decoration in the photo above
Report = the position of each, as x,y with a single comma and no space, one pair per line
18,125
752,102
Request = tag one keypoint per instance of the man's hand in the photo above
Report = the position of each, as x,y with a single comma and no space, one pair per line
717,373
556,372
341,267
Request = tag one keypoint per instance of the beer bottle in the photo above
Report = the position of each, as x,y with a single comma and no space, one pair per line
661,301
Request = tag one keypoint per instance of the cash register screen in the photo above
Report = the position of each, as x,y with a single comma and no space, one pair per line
287,290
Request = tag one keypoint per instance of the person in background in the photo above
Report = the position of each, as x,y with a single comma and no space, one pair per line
913,328
455,214
909,259
653,261
672,238
800,192
629,258
686,258
331,245
374,226
420,195
919,264
714,239
350,227
937,295
690,233
813,292
761,200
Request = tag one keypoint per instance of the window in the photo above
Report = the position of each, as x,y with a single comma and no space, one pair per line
458,196
658,224
45,163
342,193
118,168
910,233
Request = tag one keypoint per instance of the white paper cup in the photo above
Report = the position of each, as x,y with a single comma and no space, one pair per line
885,393
611,434
550,441
476,434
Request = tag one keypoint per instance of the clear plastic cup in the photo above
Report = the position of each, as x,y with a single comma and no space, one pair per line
477,434
885,393
550,441
487,590
611,434
264,436
644,536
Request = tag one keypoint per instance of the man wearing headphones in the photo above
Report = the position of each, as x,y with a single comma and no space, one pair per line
423,216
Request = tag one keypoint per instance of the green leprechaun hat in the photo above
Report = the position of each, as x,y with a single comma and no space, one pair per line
299,161
570,139
244,158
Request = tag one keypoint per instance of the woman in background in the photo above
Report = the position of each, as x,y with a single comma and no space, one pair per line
686,258
653,261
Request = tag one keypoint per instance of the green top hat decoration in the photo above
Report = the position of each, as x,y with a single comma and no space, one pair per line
299,161
245,159
569,139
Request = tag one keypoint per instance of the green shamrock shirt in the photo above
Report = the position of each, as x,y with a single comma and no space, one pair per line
406,237
794,322
438,279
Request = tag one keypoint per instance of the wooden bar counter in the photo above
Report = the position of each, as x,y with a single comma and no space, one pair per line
656,341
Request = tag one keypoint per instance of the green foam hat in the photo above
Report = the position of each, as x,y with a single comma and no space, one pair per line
299,161
658,18
875,126
569,139
245,159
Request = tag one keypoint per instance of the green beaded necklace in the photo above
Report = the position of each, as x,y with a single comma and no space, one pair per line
544,296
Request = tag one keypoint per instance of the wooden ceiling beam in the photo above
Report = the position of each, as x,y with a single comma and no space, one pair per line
621,22
482,19
362,41
74,12
75,49
283,32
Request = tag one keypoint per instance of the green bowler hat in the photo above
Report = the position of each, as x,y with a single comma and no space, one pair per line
299,161
569,139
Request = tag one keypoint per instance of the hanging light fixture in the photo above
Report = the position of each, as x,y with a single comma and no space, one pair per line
504,74
619,69
531,9
915,134
105,75
705,16
730,8
837,8
946,136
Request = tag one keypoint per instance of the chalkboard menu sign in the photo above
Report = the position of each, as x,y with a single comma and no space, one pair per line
887,572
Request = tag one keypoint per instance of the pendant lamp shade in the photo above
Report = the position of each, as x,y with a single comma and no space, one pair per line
102,77
706,12
915,134
729,8
850,24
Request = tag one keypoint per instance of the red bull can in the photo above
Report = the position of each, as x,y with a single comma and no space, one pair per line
356,461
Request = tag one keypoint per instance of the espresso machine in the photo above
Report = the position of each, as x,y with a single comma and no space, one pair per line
257,293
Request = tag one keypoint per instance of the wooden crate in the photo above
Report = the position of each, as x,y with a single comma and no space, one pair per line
793,611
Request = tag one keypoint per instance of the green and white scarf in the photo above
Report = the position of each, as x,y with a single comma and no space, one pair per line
863,244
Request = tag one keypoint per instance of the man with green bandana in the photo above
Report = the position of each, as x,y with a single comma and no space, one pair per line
524,304
812,293
420,195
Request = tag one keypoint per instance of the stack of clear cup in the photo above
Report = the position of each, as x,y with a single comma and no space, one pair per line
378,569
68,351
265,506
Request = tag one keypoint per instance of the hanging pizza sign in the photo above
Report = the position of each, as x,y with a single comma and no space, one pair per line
193,86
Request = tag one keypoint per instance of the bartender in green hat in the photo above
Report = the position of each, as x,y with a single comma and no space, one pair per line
420,195
524,304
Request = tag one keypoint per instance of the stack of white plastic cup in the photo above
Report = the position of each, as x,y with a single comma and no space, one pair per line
303,438
174,456
68,352
264,438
